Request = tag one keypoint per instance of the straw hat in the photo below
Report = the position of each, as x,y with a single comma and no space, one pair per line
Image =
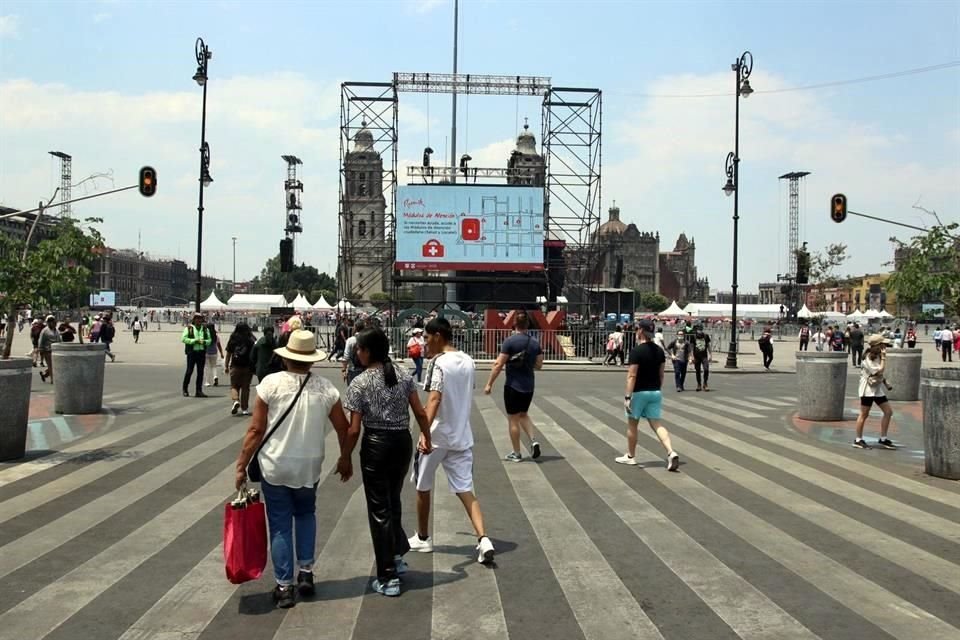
295,323
877,339
302,347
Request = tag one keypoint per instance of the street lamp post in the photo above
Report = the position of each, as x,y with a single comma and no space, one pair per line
742,68
203,55
233,287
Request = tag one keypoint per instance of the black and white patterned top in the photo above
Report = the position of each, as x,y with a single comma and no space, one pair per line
382,407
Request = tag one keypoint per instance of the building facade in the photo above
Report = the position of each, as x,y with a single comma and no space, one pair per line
629,258
139,280
678,273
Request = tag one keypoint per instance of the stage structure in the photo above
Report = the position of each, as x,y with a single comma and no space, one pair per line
568,173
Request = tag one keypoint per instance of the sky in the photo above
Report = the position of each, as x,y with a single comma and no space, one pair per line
110,83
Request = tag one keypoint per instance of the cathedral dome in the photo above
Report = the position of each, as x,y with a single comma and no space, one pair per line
613,225
363,140
526,141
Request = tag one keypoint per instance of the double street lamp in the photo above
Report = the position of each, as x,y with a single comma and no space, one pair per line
203,55
742,68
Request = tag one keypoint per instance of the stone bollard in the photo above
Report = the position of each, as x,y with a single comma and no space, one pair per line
940,394
78,377
15,379
822,378
903,373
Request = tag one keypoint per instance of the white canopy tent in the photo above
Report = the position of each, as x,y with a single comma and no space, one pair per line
322,305
212,303
804,312
344,305
872,313
856,315
834,315
300,303
755,311
673,311
885,314
256,301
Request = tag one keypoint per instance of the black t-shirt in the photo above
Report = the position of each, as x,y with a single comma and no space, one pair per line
700,345
649,358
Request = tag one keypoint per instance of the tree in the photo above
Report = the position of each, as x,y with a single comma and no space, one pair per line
380,300
330,295
823,271
51,273
303,278
653,302
930,267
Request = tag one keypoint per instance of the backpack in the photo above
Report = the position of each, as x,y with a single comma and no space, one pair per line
611,344
837,342
107,332
241,354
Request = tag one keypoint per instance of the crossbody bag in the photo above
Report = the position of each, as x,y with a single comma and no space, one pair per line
253,467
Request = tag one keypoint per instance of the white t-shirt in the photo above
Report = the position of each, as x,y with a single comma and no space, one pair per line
294,454
451,373
137,326
946,336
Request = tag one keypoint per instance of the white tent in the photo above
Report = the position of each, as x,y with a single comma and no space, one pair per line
256,301
754,311
872,313
885,314
344,305
322,305
856,315
300,303
804,312
212,303
673,311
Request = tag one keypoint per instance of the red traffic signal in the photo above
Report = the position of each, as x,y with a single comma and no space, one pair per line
148,181
838,207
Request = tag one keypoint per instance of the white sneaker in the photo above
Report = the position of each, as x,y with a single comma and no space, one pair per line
673,461
244,413
626,459
485,551
206,384
422,546
235,409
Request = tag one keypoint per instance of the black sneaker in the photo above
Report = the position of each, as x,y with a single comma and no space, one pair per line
284,597
305,583
199,394
886,443
186,394
43,376
536,450
860,443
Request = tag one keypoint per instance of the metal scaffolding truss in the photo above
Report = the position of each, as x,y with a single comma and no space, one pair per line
462,83
794,178
371,106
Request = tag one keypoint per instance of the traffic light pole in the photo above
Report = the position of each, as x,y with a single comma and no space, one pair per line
95,195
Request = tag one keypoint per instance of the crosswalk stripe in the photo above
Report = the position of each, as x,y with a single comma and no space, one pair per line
751,614
24,550
911,558
897,616
873,473
474,588
870,499
55,488
342,573
134,396
191,604
50,607
771,401
719,406
749,403
790,399
602,604
186,609
74,451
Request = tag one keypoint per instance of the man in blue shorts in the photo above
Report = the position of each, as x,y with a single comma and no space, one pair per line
642,398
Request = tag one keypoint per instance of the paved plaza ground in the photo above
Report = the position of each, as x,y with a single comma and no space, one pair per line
774,528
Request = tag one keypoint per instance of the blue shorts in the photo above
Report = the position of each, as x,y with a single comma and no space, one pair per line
646,404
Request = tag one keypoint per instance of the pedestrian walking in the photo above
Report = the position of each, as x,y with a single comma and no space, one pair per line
239,366
196,339
380,399
642,396
856,344
520,355
297,407
804,337
897,338
415,351
946,344
766,347
911,336
264,358
107,333
873,390
36,328
352,367
819,339
212,356
681,352
937,338
701,356
66,331
136,327
449,383
48,336
615,346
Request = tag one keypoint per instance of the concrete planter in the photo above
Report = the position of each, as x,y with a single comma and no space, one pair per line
822,381
78,377
15,379
940,393
903,373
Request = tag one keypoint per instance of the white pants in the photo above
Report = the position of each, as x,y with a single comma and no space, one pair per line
210,370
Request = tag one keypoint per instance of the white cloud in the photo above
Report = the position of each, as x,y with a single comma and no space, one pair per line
9,26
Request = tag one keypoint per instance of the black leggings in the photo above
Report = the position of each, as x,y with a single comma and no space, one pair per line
384,462
704,364
767,356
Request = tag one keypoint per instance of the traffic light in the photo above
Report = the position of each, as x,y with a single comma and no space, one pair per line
838,207
148,181
286,255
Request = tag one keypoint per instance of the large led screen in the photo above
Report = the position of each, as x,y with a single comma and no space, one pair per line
469,228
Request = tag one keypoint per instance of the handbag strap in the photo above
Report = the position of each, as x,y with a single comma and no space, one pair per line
276,426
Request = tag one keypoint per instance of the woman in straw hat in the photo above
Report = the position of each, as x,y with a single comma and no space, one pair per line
873,390
291,458
380,399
